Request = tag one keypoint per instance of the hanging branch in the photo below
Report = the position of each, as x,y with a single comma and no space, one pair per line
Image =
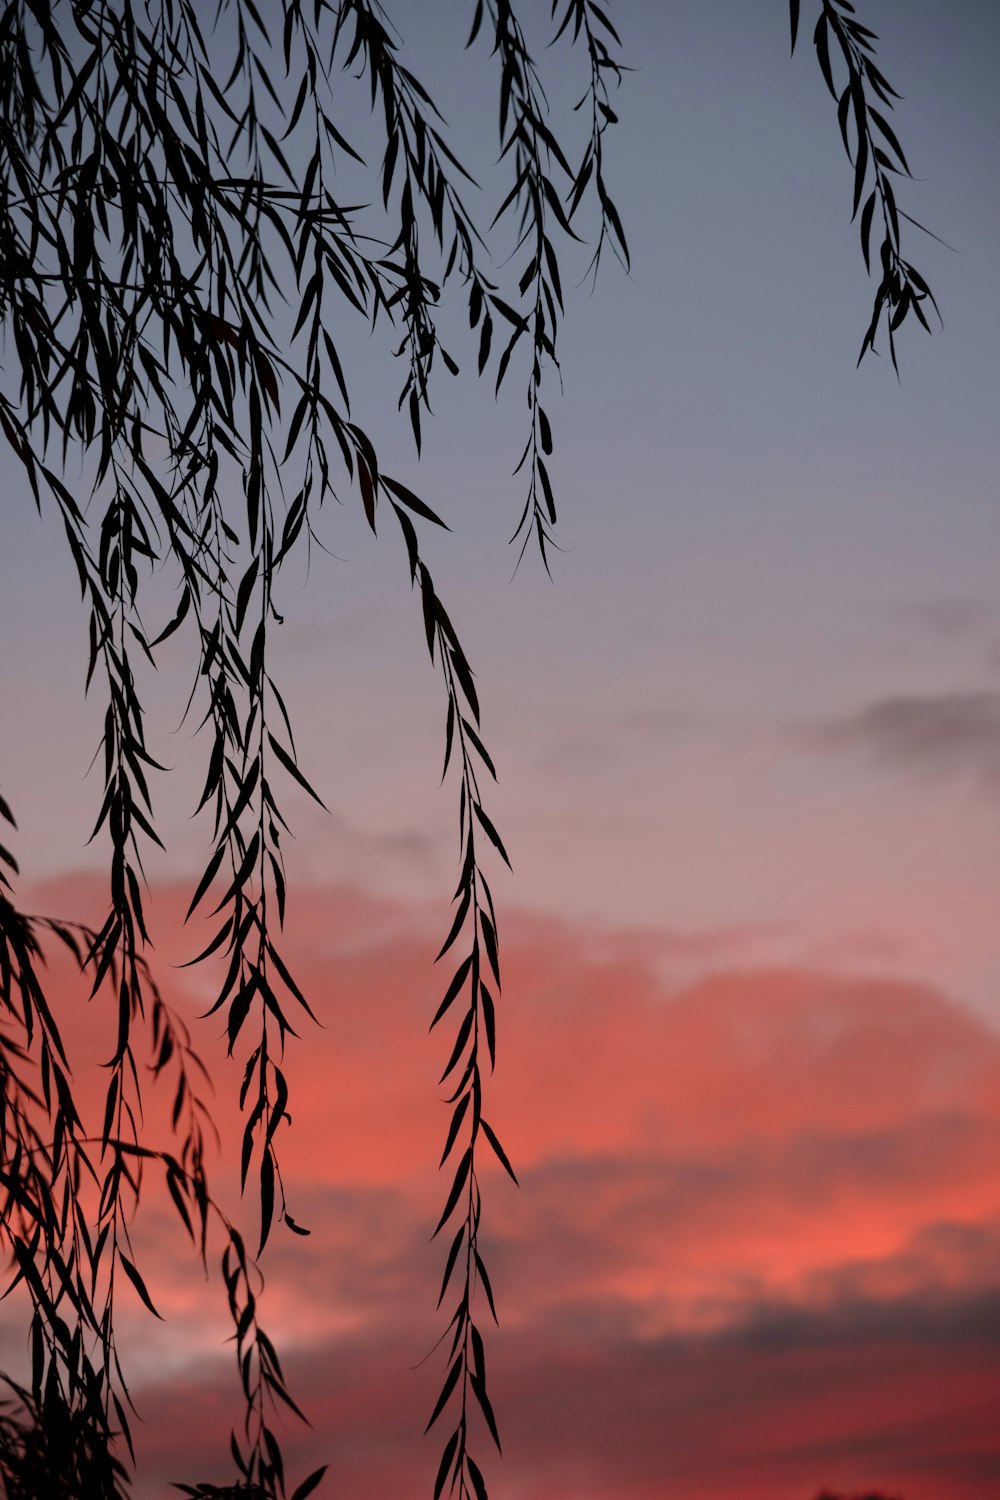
871,145
477,979
63,1443
535,202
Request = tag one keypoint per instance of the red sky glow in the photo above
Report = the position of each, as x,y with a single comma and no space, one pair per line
754,1251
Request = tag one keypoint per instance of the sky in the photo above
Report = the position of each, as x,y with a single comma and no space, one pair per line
748,740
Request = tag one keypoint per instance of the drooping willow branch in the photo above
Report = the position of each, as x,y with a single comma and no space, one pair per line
872,146
546,191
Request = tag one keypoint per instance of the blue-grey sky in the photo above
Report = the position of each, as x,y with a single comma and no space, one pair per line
760,539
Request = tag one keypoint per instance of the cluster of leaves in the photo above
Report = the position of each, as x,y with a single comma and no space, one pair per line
47,1448
68,1251
876,155
68,1270
160,197
67,1201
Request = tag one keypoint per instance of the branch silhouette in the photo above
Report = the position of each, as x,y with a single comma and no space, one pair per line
176,268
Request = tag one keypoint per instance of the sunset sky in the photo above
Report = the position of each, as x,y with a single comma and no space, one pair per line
749,752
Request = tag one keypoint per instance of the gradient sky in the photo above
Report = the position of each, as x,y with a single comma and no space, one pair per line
749,747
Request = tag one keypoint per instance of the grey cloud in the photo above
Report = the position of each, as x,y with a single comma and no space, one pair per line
404,843
604,1412
949,619
939,734
663,721
591,744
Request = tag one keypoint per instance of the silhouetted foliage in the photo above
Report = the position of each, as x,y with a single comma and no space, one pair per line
876,155
50,1450
166,190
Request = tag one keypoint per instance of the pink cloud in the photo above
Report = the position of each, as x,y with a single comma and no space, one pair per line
755,1250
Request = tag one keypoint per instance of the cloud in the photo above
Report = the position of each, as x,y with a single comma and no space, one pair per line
756,1248
949,619
605,1415
942,734
589,743
365,851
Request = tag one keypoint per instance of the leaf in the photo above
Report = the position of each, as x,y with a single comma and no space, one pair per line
277,1389
266,1195
240,1009
478,1482
464,674
505,358
216,943
277,1105
464,1032
456,1245
457,1117
794,17
491,833
109,1109
479,1388
293,770
288,980
490,939
461,1176
178,619
137,1282
449,735
308,1485
550,503
487,1288
478,1352
446,1390
456,984
367,491
263,366
413,502
866,227
822,41
481,749
489,1021
501,1154
860,172
410,538
485,342
457,922
445,1464
889,133
245,590
428,600
605,21
207,878
124,1422
509,313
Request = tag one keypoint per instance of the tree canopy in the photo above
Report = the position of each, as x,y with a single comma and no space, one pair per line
176,264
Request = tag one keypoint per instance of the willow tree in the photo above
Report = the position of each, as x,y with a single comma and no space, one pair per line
168,189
